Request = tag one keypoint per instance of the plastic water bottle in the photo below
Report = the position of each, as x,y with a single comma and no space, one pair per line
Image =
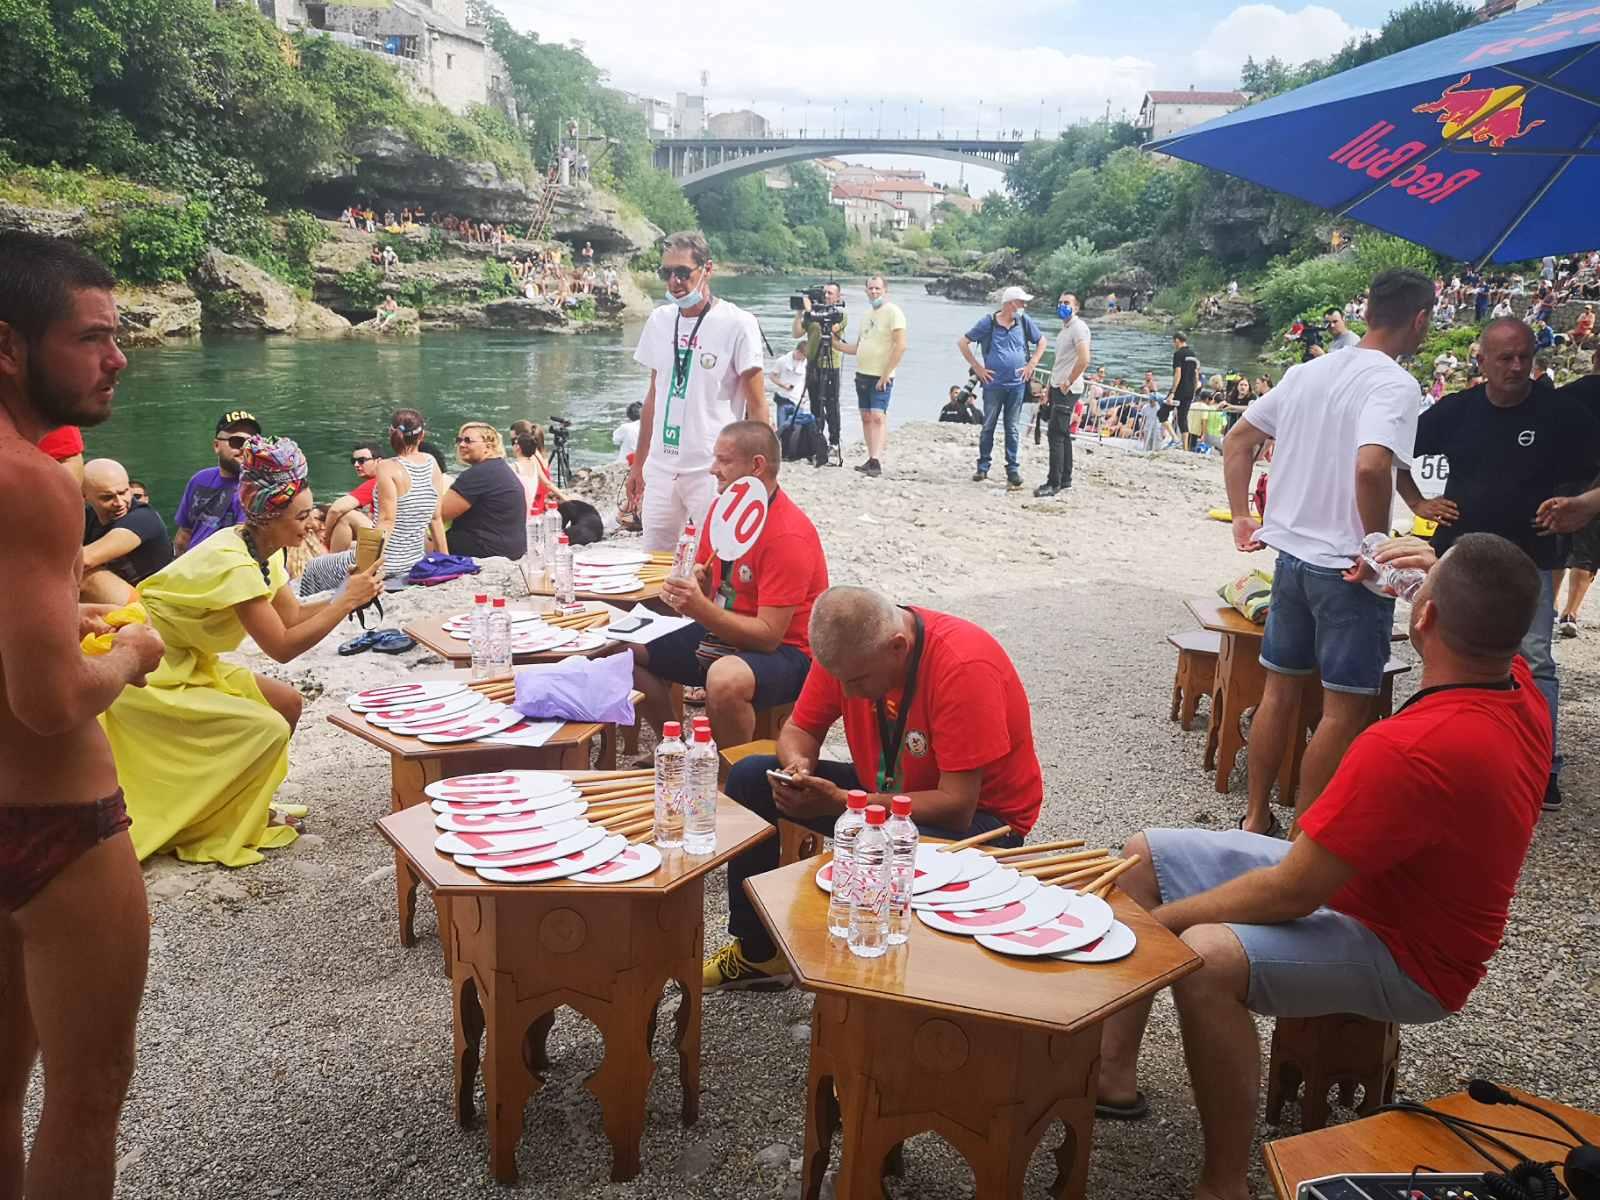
683,555
499,638
534,562
552,531
1400,582
565,594
700,805
845,829
700,723
478,638
868,935
903,869
672,769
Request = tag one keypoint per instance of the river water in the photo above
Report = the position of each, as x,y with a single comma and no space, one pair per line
328,394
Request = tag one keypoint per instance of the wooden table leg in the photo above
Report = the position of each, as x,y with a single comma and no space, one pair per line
407,779
1240,680
521,956
991,1089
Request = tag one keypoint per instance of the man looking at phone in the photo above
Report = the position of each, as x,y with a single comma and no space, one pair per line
748,644
932,709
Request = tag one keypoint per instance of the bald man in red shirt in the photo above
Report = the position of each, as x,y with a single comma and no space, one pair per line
932,708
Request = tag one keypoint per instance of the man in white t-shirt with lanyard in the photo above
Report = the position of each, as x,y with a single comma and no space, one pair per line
1343,423
705,362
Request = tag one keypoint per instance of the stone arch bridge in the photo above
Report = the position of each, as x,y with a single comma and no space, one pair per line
701,162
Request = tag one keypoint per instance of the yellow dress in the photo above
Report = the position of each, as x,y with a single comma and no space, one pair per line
199,750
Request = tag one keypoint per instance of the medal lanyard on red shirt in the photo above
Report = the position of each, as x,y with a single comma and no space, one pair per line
889,741
683,356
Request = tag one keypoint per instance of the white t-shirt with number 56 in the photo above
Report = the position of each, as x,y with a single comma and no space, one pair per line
693,406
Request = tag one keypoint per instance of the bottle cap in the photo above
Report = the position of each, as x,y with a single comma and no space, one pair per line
480,599
901,806
671,729
855,799
499,601
876,814
702,733
550,505
561,540
697,722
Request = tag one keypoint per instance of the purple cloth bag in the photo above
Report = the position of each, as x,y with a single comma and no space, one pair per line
578,689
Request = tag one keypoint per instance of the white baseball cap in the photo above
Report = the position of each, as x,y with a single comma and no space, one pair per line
1014,294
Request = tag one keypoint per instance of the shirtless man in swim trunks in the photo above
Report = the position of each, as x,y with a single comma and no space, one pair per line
74,933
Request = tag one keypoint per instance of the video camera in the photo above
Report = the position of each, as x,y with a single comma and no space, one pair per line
970,388
824,315
560,430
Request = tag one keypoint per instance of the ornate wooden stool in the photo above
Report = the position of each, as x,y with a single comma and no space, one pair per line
1196,675
1316,1052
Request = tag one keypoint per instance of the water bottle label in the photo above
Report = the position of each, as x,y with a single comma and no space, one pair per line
871,893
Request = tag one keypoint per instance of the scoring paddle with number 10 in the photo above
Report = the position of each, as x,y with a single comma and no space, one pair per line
738,517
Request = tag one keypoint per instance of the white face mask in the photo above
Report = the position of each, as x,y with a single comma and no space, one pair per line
687,300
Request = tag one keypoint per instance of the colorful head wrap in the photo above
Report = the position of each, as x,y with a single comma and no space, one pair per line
274,473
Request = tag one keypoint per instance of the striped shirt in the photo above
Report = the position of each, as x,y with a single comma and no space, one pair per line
413,514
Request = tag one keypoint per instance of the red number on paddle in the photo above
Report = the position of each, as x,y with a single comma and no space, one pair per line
750,522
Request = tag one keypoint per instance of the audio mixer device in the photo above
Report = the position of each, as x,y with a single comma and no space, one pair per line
1518,1179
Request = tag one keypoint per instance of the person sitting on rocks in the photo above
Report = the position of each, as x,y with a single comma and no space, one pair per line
387,312
932,708
1393,898
123,542
748,645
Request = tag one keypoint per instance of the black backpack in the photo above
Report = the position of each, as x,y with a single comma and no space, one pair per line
800,439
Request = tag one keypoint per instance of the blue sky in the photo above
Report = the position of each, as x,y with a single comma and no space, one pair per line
1028,63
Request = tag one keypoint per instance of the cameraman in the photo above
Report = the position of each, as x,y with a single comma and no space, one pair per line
878,351
822,361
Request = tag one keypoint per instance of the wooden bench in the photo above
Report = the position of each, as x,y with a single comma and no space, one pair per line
1196,675
1311,1054
795,841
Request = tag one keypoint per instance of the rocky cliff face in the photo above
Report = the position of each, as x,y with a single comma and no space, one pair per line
387,166
585,214
237,296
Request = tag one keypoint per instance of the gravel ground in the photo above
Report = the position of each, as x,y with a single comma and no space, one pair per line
290,1047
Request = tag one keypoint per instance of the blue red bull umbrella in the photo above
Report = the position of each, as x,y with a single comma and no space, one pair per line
1481,145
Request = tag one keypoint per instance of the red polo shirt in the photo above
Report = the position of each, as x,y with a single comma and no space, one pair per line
63,443
785,567
366,494
1435,808
969,712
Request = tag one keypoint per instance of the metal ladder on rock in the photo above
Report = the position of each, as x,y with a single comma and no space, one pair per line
547,204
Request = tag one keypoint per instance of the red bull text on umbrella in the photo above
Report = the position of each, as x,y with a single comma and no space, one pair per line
1368,154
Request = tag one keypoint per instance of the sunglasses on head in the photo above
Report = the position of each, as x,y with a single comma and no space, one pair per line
682,274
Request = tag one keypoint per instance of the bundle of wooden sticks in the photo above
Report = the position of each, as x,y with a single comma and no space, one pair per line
1062,862
502,689
589,618
622,802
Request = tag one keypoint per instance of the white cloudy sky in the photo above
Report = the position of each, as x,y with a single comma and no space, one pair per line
1029,64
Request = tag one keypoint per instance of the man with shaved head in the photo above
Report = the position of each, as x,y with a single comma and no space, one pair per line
1395,895
1523,465
747,644
932,709
123,543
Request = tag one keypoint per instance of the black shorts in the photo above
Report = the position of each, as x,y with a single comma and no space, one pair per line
1163,411
780,673
1585,552
1183,414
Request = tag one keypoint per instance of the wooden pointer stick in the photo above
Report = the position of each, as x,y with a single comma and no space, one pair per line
1058,866
1073,875
645,825
594,777
1016,852
627,816
977,839
1103,885
628,793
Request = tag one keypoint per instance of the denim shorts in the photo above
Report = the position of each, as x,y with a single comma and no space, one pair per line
780,674
868,397
1319,624
1321,964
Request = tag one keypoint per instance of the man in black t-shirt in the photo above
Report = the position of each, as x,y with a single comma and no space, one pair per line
1185,381
1583,560
1523,464
123,543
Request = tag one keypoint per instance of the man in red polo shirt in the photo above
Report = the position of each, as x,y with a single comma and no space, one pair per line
1396,893
748,644
932,708
65,445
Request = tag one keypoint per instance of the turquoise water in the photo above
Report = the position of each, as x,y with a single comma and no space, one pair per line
327,395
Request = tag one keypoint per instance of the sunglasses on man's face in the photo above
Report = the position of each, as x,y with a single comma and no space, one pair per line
358,462
236,442
466,441
682,274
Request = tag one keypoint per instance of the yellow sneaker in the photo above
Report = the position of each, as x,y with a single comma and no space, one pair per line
729,970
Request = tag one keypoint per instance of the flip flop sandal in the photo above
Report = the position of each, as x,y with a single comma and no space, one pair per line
1135,1111
1275,830
360,643
392,641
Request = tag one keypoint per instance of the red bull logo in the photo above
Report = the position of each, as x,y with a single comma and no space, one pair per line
1486,114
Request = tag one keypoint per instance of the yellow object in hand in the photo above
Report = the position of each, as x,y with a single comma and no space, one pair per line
129,614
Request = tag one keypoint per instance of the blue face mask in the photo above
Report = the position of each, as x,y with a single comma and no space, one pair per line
688,300
1064,311
875,301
